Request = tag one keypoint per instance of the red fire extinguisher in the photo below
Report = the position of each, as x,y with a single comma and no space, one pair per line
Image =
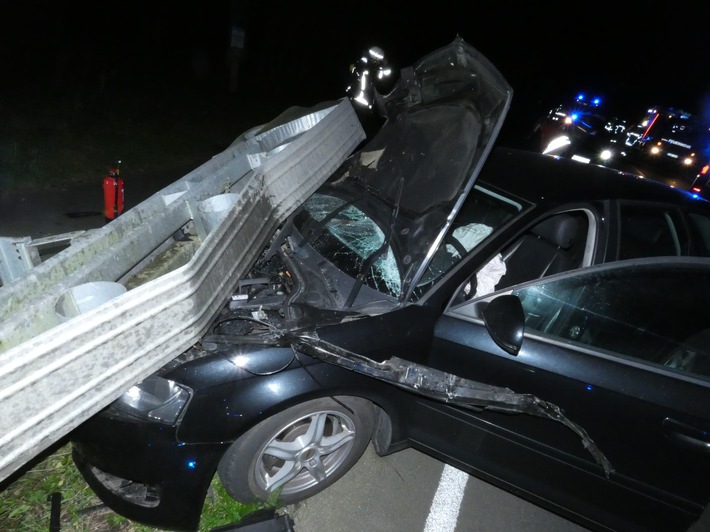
113,193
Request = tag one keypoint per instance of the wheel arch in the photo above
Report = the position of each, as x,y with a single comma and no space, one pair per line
238,408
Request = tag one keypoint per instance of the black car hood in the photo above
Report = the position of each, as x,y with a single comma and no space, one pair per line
442,118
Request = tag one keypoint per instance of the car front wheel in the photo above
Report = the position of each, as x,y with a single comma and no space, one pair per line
298,452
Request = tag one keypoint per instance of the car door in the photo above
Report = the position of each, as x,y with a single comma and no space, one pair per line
620,349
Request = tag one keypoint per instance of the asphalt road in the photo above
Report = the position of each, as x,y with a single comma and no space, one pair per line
410,491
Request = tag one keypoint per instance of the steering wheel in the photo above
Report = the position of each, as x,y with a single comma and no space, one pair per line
454,242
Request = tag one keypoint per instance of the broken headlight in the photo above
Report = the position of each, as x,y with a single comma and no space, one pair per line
154,399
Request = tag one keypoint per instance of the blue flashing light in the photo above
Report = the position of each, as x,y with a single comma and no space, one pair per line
580,97
191,464
597,101
574,117
589,387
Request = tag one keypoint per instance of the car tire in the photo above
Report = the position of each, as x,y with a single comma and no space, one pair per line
317,442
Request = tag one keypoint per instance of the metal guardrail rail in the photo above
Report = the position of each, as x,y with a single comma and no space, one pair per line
19,254
77,330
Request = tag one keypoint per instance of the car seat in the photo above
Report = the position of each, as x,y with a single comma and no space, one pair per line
693,355
549,247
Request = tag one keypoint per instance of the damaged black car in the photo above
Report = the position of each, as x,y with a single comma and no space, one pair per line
475,303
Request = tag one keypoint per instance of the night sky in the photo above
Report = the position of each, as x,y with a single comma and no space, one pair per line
297,53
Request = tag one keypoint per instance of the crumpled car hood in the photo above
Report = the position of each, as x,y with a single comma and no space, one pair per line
443,116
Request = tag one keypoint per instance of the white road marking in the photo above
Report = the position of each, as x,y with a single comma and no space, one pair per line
444,511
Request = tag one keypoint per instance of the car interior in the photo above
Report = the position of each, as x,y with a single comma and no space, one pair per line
692,355
552,246
648,234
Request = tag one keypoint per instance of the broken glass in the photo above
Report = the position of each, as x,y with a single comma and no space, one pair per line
358,237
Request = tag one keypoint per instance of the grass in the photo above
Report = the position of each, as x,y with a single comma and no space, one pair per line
49,139
25,504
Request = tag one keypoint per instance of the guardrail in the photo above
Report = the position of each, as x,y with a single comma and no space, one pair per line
79,329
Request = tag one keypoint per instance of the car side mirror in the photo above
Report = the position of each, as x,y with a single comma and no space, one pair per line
505,322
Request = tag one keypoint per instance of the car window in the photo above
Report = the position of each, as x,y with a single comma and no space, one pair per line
482,213
655,315
649,232
700,228
555,244
352,241
558,243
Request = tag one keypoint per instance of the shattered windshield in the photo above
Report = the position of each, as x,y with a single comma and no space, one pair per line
347,237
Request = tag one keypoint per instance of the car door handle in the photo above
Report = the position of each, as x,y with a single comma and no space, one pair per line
687,435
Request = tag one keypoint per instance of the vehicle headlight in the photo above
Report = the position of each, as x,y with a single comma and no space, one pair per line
154,399
606,155
557,143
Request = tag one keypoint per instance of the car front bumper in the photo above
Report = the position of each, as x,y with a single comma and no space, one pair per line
143,473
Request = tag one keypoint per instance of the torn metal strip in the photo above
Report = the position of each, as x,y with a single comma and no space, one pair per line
446,387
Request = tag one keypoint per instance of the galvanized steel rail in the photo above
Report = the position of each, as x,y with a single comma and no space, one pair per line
77,330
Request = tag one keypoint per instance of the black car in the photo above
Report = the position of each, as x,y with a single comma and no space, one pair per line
521,327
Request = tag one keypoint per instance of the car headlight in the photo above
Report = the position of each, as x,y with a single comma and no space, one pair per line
154,399
557,143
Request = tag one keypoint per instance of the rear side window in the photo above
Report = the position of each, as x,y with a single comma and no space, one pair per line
649,232
700,229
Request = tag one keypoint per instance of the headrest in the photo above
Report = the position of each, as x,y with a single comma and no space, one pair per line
559,230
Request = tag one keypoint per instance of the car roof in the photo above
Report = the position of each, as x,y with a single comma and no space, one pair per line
543,179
